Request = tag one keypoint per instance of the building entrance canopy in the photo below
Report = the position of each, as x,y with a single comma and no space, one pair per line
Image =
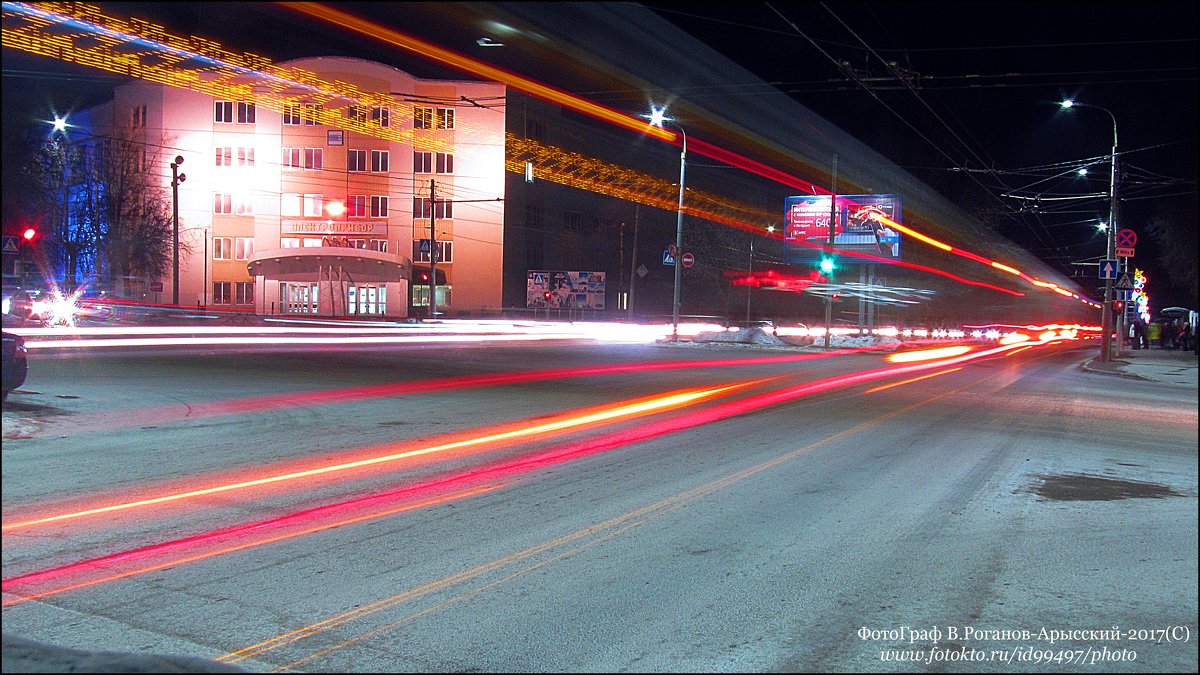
306,264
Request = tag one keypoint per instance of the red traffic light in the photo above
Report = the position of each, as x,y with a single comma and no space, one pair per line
1118,304
547,295
29,234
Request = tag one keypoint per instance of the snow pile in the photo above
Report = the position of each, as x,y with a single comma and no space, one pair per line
853,341
755,335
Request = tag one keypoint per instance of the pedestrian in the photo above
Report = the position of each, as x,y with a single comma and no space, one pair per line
1139,334
1185,335
1153,333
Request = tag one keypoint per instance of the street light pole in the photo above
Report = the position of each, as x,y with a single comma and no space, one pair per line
1106,314
176,179
657,119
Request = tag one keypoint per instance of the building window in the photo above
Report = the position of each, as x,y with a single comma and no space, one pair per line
422,208
421,295
245,156
224,156
378,245
356,160
379,206
313,242
222,203
291,114
381,117
221,292
445,162
445,251
290,204
243,293
289,242
356,114
139,116
430,118
245,112
291,158
379,161
223,112
222,248
243,248
243,205
314,158
422,162
313,205
311,112
422,118
356,206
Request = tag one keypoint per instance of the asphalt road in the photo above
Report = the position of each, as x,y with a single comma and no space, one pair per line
774,526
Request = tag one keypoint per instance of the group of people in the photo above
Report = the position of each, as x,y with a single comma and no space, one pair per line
1174,334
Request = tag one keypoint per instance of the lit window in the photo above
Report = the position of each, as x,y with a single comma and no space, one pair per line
224,156
314,205
222,248
243,205
289,242
243,248
245,156
291,158
290,205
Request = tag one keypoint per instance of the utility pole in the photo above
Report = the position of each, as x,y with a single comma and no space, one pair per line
749,273
634,262
176,179
432,251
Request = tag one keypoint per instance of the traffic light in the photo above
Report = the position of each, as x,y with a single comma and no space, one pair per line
547,295
29,234
1118,305
827,265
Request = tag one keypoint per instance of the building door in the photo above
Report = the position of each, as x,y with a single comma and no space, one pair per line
298,298
366,300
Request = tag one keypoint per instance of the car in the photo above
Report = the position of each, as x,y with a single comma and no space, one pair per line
15,364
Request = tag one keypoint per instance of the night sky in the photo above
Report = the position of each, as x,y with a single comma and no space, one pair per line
978,120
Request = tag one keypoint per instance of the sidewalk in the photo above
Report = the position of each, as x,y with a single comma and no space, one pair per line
1172,366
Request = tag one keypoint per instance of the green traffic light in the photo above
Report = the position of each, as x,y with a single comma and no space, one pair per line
827,265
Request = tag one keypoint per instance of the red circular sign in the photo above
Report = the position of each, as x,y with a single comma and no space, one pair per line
1126,238
688,259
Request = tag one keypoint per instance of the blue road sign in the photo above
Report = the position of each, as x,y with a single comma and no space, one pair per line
1108,269
667,258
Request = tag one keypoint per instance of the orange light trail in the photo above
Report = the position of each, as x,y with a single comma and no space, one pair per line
910,381
640,408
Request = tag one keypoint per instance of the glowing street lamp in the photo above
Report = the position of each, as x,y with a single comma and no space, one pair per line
657,117
1106,313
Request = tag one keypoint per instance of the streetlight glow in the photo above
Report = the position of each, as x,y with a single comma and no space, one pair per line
657,117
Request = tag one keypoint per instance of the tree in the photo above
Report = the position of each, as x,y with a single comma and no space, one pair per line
108,210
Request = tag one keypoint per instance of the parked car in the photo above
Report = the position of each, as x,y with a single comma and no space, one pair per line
15,364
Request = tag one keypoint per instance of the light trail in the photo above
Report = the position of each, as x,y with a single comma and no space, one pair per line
928,354
625,411
911,380
501,471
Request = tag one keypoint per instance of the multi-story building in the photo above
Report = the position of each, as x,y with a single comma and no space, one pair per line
322,205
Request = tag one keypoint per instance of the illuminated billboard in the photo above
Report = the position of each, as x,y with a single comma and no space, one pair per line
566,289
861,226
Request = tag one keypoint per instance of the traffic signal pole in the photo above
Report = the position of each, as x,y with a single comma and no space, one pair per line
832,225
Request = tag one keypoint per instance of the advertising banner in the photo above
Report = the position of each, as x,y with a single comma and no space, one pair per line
861,226
567,289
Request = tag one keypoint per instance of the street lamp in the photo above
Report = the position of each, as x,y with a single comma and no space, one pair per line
657,119
176,179
1106,314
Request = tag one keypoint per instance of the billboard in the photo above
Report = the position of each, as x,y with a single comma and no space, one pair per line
568,289
861,226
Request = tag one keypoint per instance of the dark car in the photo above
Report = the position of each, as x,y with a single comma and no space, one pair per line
15,365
